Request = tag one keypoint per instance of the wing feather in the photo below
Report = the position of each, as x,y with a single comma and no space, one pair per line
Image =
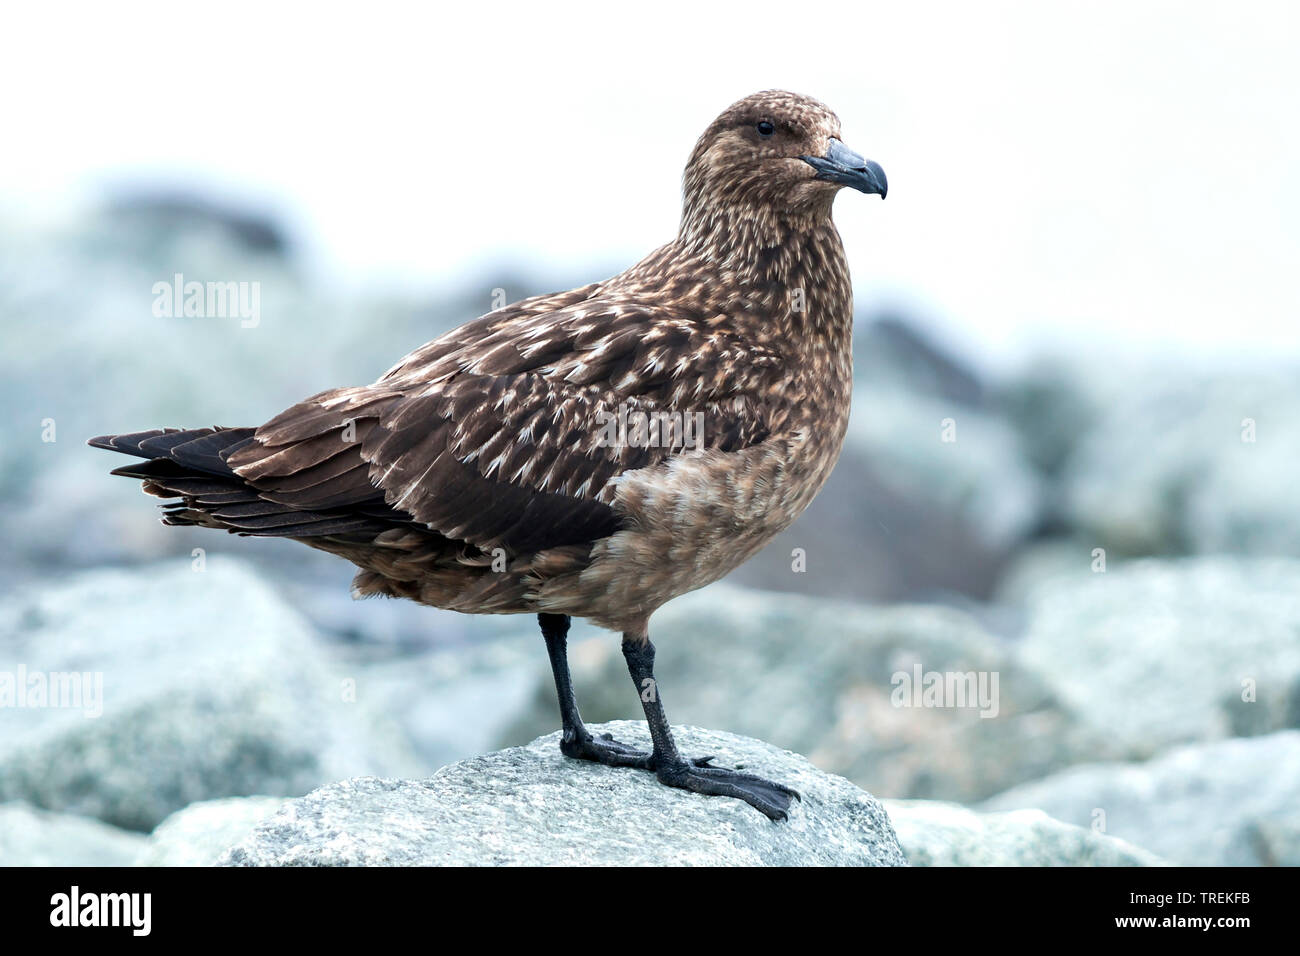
497,434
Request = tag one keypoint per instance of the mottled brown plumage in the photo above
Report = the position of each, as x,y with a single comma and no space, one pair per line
478,473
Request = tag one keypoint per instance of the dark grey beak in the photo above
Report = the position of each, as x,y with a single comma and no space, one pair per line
842,165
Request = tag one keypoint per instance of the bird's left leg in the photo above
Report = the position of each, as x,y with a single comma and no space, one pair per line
698,776
576,740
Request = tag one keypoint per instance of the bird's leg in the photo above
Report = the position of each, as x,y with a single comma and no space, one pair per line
697,775
576,741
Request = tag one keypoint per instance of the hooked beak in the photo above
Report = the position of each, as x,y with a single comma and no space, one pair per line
842,165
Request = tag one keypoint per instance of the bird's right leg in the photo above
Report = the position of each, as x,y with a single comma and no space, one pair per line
576,740
697,775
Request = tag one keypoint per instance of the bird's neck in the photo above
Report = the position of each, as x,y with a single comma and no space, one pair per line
731,232
792,263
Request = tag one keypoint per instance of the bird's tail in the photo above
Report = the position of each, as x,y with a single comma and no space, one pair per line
191,464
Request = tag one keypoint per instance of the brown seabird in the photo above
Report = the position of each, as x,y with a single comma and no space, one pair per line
592,453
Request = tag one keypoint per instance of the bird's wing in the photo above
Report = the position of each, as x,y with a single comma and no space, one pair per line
499,433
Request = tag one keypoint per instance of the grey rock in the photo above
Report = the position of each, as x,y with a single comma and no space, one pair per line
177,213
824,679
33,837
1054,403
202,832
1229,803
893,349
456,702
531,806
1155,653
1276,842
946,834
1181,461
1040,562
981,474
211,687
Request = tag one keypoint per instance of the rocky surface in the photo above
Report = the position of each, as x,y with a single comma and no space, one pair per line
1229,803
194,684
34,837
1154,653
202,832
532,806
821,678
947,834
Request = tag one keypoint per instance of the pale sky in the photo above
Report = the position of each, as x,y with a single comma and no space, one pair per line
1104,175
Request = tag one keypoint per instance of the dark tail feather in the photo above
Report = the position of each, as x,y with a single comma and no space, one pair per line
190,464
203,449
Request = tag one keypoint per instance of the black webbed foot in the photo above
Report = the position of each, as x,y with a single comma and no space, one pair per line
604,749
697,776
614,753
769,798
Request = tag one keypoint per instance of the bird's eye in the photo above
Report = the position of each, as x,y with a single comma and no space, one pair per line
765,128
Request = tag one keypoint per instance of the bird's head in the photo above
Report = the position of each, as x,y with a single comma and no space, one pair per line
779,152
